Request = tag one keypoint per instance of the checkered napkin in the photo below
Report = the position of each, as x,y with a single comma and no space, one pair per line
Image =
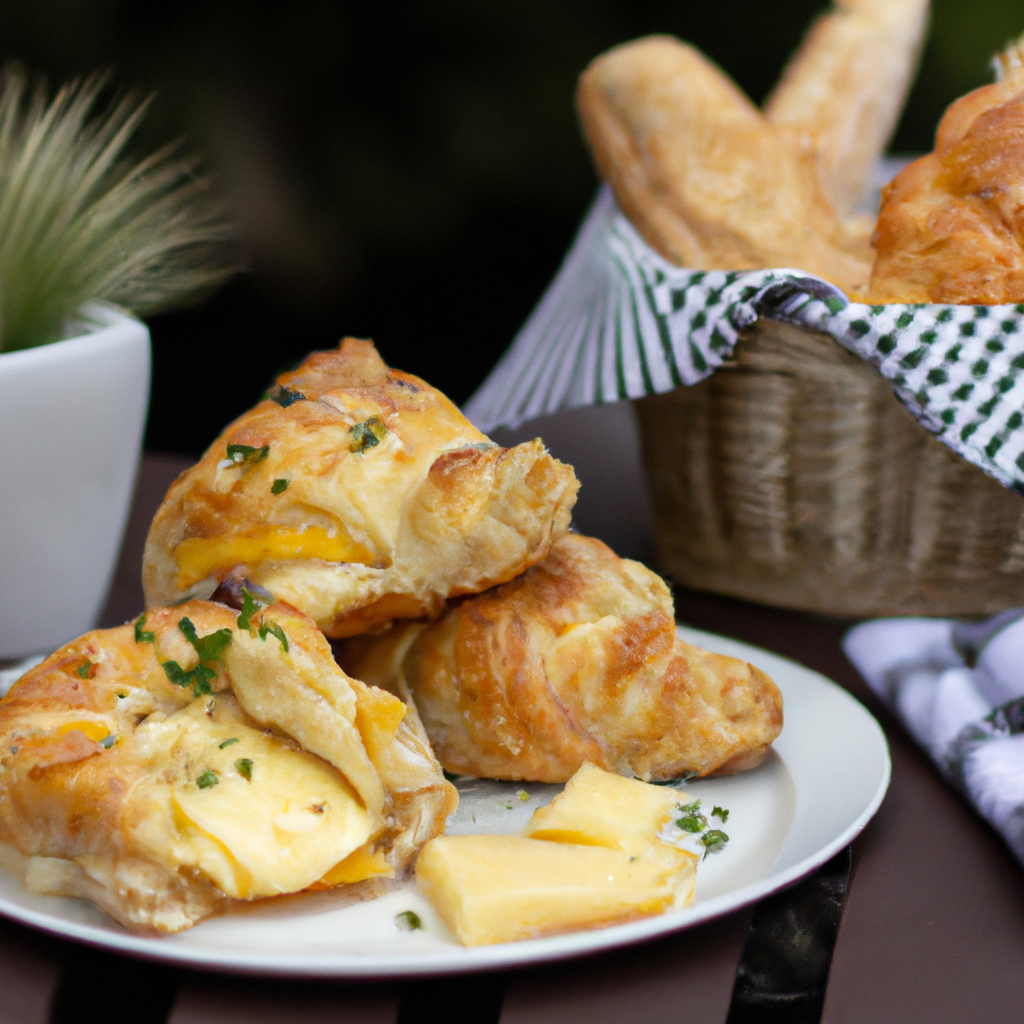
619,321
959,690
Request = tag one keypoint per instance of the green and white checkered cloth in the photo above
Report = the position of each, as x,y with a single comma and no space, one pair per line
619,321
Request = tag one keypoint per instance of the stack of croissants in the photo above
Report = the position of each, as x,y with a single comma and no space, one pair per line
355,592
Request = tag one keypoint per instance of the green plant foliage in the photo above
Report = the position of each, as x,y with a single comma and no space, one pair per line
78,222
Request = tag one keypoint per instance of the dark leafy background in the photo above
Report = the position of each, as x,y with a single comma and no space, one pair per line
410,172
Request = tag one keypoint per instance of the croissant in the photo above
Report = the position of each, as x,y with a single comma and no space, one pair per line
358,494
951,226
165,768
576,660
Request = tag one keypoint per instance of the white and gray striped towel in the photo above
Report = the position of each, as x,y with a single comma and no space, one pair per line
959,689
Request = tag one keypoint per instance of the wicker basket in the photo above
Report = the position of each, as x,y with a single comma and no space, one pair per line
794,477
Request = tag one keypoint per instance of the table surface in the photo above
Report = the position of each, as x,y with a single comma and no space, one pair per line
933,928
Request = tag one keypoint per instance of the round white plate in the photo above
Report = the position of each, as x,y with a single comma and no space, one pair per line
825,780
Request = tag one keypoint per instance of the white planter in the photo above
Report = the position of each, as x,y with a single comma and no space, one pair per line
71,420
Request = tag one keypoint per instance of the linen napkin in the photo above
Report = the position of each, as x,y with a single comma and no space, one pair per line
959,690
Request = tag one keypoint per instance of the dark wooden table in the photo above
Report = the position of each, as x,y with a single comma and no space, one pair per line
933,928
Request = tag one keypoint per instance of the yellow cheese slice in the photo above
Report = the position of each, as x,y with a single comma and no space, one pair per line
200,557
493,888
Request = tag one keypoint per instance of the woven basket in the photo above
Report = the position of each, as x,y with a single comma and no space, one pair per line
794,477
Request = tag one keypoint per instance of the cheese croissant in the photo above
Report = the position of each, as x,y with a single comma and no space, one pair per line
576,660
357,494
951,226
199,755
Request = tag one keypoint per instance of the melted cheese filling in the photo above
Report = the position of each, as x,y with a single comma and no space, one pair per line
257,816
200,557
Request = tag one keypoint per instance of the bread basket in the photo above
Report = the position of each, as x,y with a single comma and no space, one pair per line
794,477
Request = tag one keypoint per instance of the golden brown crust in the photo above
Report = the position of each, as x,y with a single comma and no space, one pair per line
103,757
371,499
951,226
841,94
576,660
705,178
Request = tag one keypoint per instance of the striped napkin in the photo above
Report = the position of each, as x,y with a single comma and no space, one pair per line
619,321
959,690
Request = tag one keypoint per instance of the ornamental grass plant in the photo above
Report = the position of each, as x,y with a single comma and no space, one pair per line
80,222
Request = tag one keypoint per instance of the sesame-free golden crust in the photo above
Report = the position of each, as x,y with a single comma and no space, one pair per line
706,179
431,510
951,226
576,660
100,820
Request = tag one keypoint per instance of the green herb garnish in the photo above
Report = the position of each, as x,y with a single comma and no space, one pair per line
366,435
209,648
720,813
121,694
245,454
207,779
523,795
408,921
714,841
108,741
227,743
143,636
278,486
250,606
85,670
285,396
692,820
244,768
273,629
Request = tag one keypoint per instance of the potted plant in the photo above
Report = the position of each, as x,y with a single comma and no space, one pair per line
89,241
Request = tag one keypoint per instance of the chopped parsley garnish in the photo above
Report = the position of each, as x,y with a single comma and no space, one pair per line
714,841
408,921
143,636
209,648
108,741
14,750
245,454
227,743
720,813
250,607
366,435
207,779
523,795
278,486
285,396
121,694
692,820
273,629
244,768
86,670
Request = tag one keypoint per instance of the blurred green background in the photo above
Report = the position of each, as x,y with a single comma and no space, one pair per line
410,172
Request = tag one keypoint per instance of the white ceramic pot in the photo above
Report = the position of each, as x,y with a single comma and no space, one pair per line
71,420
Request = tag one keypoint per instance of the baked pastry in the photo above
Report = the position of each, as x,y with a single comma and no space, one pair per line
842,93
164,768
576,660
951,226
357,494
706,179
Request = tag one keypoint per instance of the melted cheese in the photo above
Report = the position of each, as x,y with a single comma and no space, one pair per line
96,731
277,831
200,557
357,867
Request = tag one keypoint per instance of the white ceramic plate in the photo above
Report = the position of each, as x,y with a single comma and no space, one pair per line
825,780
